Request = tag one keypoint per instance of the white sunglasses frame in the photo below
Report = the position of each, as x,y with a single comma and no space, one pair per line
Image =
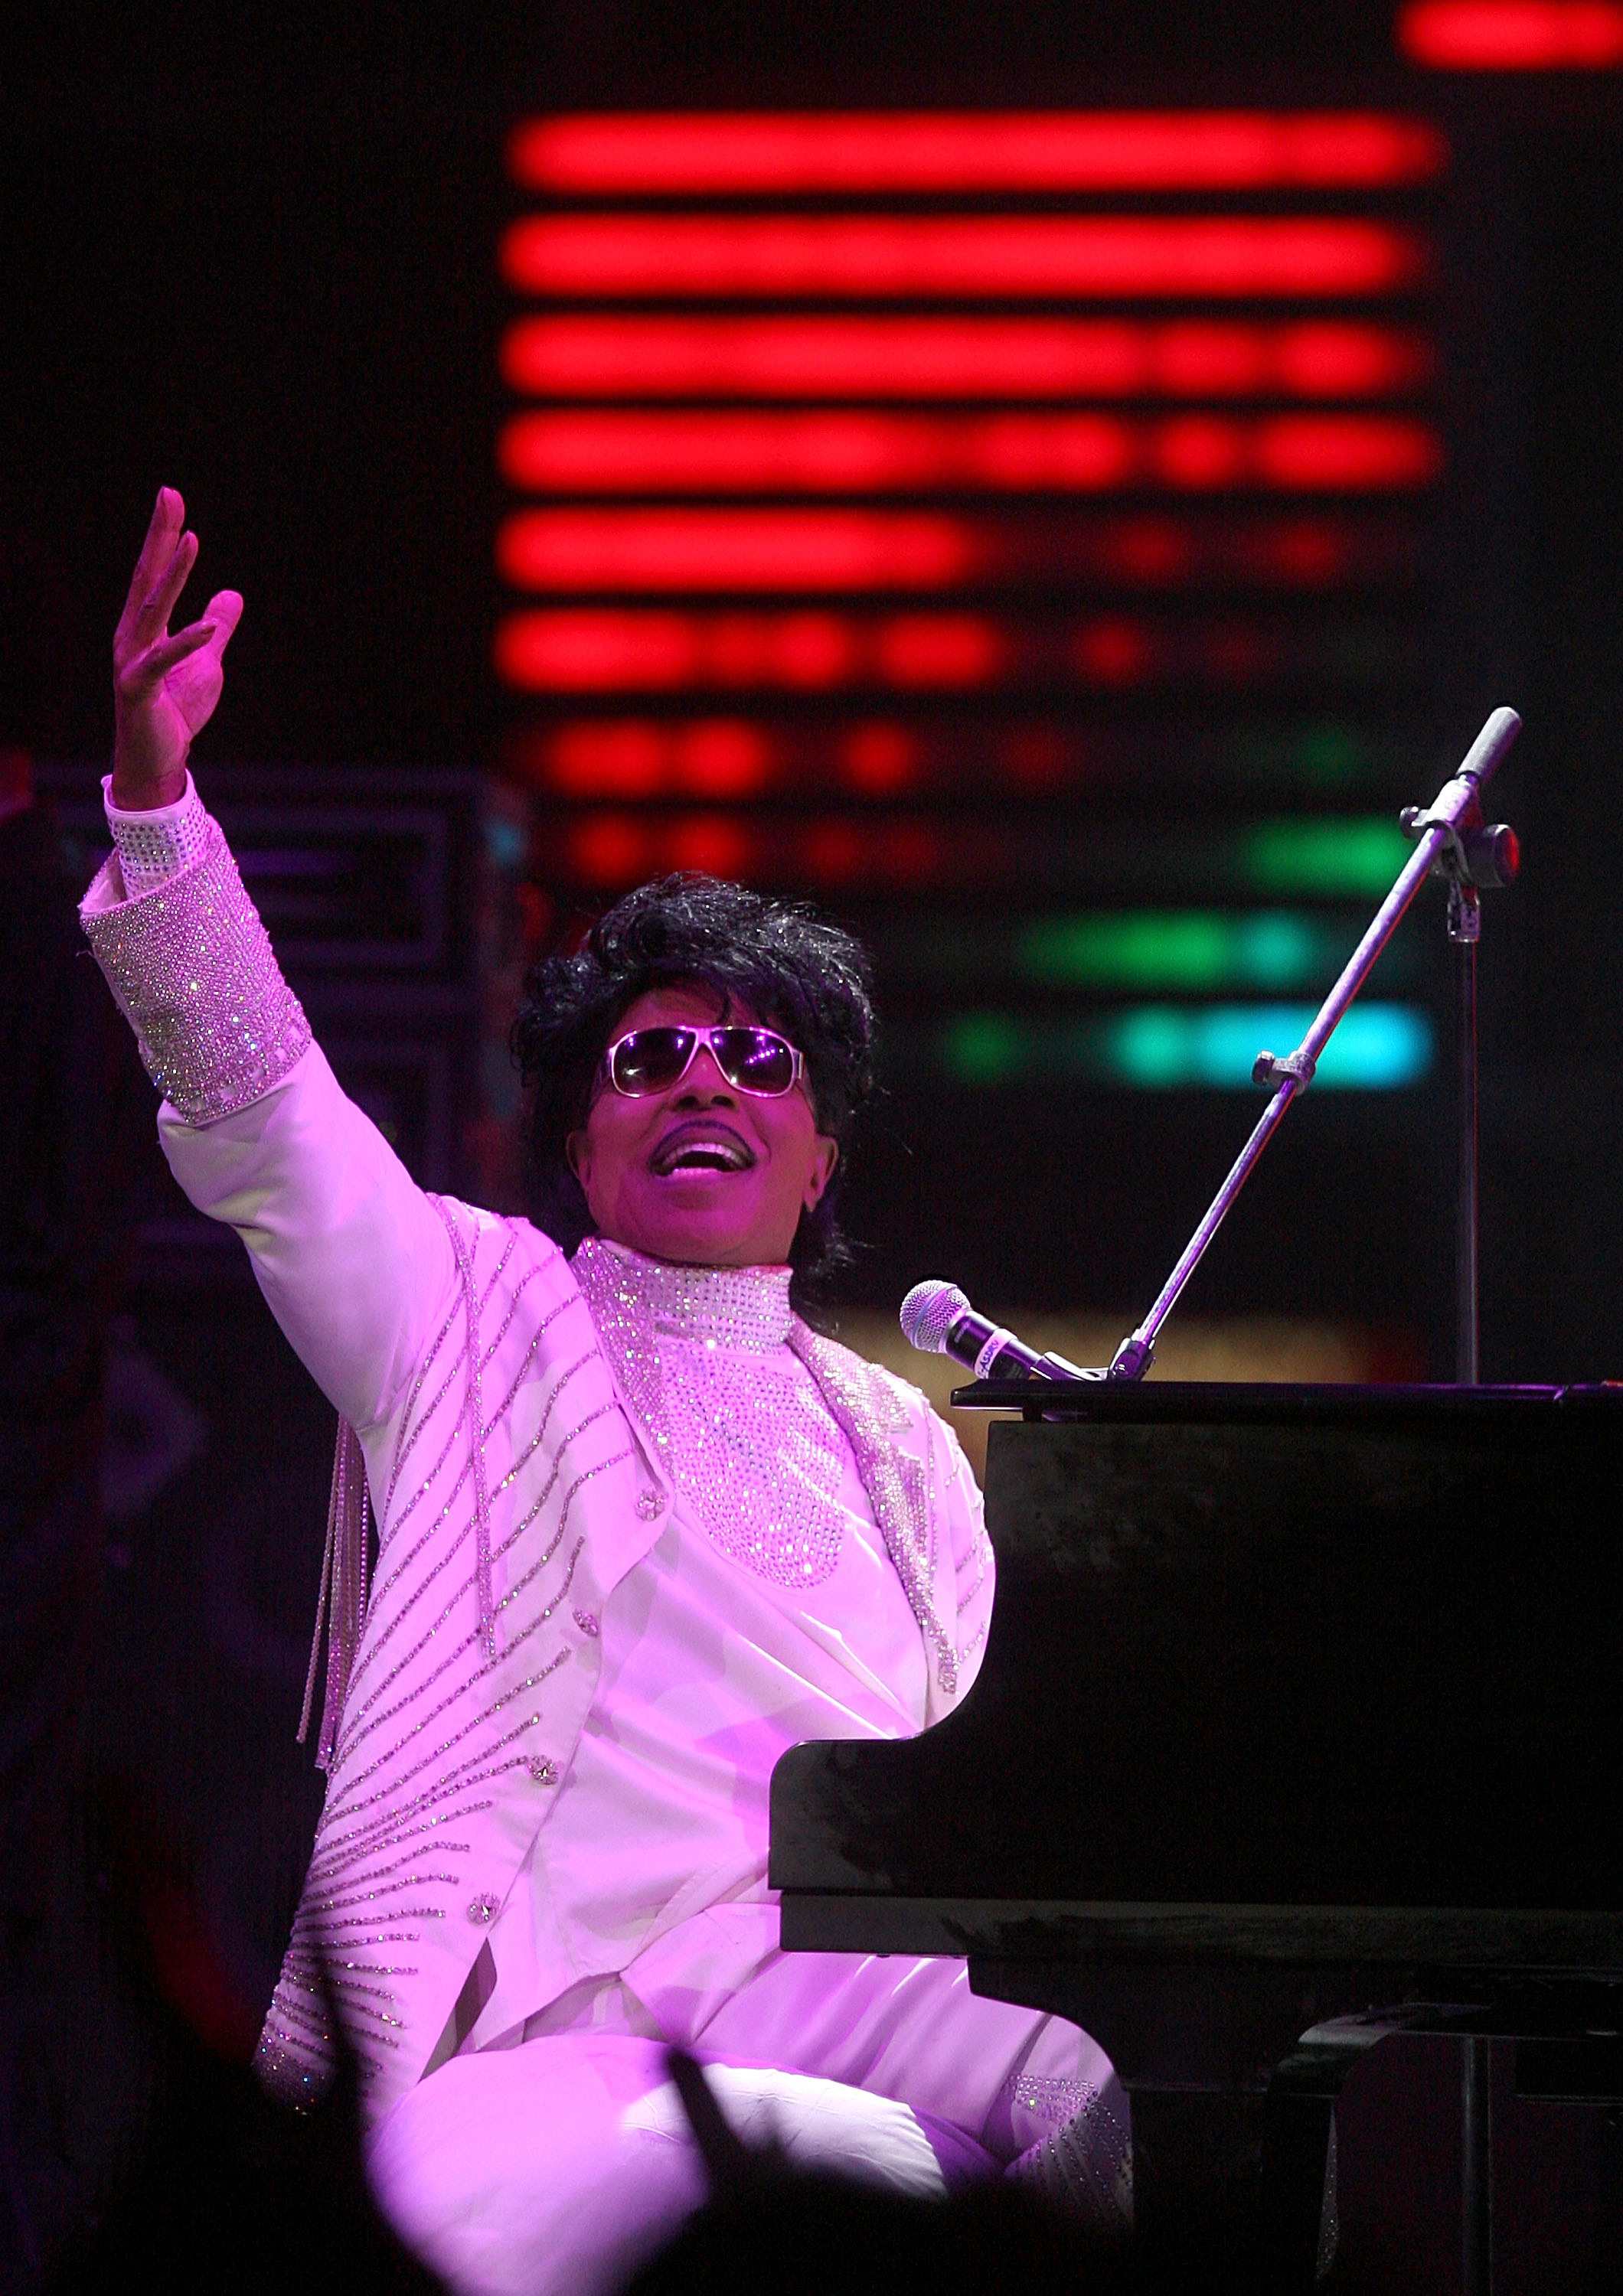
703,1035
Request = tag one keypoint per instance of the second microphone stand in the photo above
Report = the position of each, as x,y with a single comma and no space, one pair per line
1453,841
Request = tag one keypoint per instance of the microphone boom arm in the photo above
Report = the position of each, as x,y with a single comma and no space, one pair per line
1438,830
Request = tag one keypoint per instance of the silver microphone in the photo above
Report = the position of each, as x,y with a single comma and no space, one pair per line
937,1319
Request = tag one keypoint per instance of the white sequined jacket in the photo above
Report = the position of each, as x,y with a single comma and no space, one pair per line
510,1483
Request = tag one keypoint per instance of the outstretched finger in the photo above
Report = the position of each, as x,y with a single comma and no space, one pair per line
153,615
148,671
162,532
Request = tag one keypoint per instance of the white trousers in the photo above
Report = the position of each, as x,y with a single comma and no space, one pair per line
555,2165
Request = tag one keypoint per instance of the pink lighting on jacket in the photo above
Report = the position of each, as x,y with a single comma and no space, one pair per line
718,153
1137,257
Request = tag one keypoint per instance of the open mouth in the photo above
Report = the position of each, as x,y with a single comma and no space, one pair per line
700,1148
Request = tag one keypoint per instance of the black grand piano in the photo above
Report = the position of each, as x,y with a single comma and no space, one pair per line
1299,1729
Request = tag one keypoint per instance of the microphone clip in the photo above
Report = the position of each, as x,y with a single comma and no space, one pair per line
1474,852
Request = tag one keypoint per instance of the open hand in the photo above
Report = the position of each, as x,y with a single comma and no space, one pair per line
164,688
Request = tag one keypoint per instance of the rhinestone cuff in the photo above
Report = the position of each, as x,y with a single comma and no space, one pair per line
158,844
191,968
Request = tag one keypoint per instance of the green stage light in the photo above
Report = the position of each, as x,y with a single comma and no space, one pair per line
1332,756
1328,858
1323,754
986,1048
1188,949
1142,949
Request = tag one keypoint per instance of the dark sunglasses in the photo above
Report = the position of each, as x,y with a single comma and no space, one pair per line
757,1061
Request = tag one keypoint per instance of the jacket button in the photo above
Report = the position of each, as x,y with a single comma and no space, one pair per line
543,1772
484,1909
648,1505
587,1623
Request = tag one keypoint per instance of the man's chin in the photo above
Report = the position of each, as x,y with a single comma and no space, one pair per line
700,1224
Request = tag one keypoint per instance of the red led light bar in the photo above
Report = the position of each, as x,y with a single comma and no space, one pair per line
602,257
853,453
1513,34
580,650
601,355
843,453
742,152
611,850
713,550
734,550
616,849
886,758
639,758
643,759
1351,453
594,650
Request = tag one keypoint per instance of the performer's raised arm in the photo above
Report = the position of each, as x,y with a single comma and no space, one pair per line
349,1254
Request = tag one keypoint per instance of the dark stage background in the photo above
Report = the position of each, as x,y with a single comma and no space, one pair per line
260,264
252,254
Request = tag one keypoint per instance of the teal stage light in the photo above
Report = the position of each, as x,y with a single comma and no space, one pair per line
1377,1048
1178,1047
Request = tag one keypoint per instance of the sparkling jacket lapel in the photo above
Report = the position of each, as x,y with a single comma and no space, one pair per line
869,1406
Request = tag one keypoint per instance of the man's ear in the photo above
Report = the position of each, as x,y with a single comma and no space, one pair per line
826,1155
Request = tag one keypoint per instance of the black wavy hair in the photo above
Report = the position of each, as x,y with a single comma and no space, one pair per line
786,964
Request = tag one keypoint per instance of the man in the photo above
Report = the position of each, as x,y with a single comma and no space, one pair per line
640,1528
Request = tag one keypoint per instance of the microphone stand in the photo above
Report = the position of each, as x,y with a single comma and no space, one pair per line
1465,931
1453,841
